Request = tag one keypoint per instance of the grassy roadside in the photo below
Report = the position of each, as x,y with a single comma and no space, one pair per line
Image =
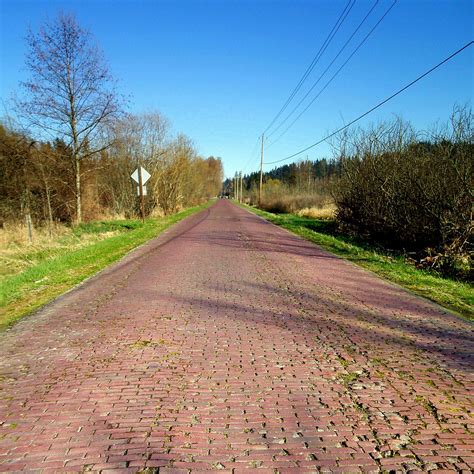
58,269
455,295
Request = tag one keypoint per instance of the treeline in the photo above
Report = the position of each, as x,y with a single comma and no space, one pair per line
302,175
292,187
37,179
72,148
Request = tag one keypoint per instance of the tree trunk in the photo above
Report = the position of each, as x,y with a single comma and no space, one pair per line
50,210
78,191
29,225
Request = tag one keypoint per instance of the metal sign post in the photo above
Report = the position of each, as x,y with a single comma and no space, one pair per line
141,176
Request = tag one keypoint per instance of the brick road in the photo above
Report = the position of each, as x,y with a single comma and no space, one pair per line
229,344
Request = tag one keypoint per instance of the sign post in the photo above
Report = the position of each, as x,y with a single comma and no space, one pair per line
141,176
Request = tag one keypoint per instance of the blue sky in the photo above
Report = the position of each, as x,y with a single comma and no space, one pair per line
221,70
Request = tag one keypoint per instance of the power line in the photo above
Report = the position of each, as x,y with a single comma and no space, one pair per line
252,155
376,106
328,67
366,37
315,60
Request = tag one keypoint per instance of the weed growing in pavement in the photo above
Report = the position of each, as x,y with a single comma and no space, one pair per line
343,361
362,409
141,344
430,408
467,429
449,396
349,379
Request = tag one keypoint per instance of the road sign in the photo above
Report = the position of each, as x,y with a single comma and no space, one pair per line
145,175
141,176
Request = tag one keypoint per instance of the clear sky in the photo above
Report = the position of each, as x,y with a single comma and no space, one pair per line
221,70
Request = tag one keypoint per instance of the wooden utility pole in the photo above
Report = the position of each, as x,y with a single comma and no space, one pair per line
238,186
241,186
142,197
309,173
261,175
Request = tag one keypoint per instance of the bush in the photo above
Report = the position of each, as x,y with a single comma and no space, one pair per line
409,193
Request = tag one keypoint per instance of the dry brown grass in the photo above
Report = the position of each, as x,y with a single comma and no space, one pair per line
326,212
293,203
16,235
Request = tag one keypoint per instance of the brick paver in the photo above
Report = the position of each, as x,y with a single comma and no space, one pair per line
229,344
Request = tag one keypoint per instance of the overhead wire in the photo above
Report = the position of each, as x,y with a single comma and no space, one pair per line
366,37
252,155
345,12
467,45
326,70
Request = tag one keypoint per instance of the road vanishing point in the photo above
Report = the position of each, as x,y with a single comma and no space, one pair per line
229,344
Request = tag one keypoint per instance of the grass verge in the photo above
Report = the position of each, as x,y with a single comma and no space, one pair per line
455,295
55,271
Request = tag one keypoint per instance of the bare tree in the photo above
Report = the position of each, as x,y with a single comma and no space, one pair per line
137,140
171,174
69,93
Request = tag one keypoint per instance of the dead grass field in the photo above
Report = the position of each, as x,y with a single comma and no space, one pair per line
326,212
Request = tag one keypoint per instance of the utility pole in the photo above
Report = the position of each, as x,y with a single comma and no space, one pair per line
261,175
142,198
241,186
309,165
237,186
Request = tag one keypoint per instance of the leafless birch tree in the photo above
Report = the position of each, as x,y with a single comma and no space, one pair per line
69,94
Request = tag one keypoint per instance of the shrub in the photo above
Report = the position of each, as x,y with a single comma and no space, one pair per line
410,191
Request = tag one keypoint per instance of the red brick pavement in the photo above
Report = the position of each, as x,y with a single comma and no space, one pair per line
229,344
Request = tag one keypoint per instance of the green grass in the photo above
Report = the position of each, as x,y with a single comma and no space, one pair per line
455,295
56,270
99,227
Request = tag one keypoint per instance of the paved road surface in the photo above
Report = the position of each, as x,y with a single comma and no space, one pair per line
229,344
